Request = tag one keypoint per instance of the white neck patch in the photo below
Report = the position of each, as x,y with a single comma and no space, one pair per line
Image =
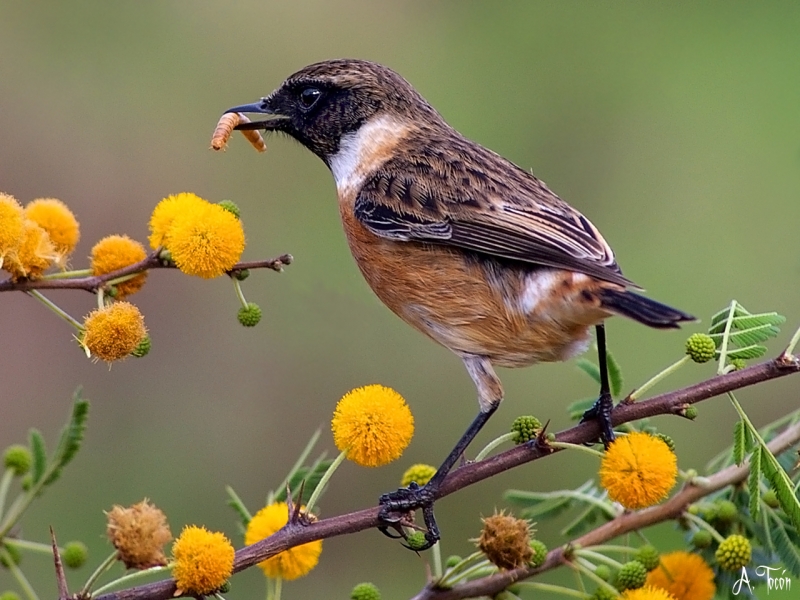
362,151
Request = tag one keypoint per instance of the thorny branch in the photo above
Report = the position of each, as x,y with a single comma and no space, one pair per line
295,534
93,283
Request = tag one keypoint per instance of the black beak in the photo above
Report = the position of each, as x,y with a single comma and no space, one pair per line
260,107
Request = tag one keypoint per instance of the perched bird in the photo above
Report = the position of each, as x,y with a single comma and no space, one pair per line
460,243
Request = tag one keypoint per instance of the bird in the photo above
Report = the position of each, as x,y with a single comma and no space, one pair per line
465,246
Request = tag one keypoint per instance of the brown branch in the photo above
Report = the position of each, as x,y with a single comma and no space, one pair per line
668,403
625,523
93,283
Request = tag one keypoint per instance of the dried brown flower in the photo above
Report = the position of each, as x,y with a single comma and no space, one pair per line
139,533
505,540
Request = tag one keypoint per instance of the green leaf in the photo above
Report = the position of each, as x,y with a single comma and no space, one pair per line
754,480
614,375
588,367
722,316
743,337
783,486
583,521
236,503
785,548
39,452
763,320
576,409
739,442
747,352
310,475
71,436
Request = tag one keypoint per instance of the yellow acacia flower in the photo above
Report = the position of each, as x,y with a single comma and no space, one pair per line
206,242
638,470
203,560
113,332
33,256
419,474
114,252
373,425
11,228
647,593
289,564
139,533
166,211
57,220
684,575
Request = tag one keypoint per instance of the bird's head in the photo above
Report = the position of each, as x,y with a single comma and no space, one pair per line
325,101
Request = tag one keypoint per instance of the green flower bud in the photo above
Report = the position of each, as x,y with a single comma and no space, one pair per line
452,561
631,576
241,274
690,412
539,553
727,512
142,348
9,595
701,347
18,458
525,429
771,499
231,207
27,482
225,587
250,316
75,554
738,364
649,556
419,474
416,540
734,552
603,593
702,538
365,591
603,572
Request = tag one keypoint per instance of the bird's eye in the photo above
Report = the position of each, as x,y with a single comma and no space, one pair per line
309,96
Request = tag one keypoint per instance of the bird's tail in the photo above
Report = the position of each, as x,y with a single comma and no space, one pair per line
644,310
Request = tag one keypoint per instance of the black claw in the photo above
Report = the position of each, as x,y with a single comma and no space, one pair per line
396,505
601,412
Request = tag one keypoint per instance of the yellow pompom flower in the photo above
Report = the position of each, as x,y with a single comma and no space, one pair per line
373,425
113,332
647,593
206,242
684,575
203,560
114,252
11,225
289,564
638,470
33,256
166,211
419,474
57,220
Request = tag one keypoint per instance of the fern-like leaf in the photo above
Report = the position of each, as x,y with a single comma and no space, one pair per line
39,452
739,442
591,369
614,375
746,353
785,548
753,482
71,437
783,486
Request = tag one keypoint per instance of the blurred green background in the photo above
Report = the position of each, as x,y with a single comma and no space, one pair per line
674,127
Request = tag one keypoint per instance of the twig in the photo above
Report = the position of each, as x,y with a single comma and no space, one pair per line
668,403
61,578
152,261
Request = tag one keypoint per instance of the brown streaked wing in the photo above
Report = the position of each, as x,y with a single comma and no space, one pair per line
499,210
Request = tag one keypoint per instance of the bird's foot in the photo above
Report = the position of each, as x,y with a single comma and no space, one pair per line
396,508
601,412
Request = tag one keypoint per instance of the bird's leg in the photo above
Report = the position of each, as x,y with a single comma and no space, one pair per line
395,505
601,411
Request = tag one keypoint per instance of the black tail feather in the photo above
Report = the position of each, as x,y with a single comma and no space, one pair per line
644,310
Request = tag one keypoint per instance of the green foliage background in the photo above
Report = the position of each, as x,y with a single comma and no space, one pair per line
674,127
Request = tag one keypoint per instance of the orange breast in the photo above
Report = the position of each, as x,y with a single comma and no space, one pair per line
514,315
